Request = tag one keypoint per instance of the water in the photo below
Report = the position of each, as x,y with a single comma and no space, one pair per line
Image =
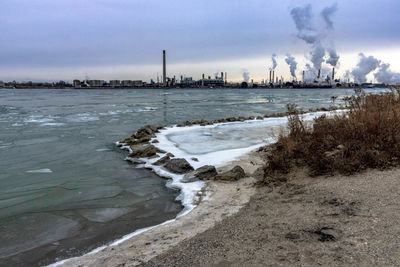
64,186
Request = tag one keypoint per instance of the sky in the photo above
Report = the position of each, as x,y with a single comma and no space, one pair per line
48,40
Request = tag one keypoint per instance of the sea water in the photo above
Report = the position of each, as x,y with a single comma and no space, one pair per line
64,186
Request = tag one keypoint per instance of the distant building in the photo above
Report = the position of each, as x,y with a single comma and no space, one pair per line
96,83
76,83
115,83
127,83
1,84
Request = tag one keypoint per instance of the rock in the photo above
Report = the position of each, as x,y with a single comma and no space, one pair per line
233,175
162,161
155,141
170,155
144,139
185,123
205,172
242,118
251,118
144,152
195,159
259,118
179,166
155,127
231,119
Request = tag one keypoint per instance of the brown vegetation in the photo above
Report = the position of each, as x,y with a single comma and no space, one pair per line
367,136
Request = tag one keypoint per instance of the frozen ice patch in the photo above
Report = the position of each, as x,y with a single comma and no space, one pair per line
40,171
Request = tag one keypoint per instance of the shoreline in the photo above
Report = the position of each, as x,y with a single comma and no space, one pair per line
218,201
211,197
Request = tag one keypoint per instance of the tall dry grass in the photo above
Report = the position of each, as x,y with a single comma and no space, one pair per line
367,136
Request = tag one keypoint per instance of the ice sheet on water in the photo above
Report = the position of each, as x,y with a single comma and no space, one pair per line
104,214
40,171
42,229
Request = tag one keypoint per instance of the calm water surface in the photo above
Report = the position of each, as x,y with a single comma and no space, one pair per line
64,186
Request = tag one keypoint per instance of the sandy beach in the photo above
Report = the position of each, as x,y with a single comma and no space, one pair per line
328,221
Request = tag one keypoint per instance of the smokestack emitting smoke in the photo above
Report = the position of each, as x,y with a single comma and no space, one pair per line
273,75
274,64
291,61
270,76
246,76
164,70
333,74
364,67
319,74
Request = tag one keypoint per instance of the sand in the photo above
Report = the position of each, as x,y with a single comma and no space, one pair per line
328,221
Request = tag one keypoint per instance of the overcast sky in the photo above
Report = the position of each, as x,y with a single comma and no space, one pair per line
123,39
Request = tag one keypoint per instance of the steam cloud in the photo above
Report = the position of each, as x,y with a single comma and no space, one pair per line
246,76
303,19
364,67
274,64
291,61
326,14
384,75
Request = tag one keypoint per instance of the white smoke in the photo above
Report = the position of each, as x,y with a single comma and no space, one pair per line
246,76
326,14
333,57
364,67
384,75
303,19
291,61
347,76
274,64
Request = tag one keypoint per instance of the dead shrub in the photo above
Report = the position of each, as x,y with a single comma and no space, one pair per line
366,136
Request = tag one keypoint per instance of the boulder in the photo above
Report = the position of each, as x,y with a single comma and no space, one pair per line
233,175
205,172
185,123
144,152
179,166
162,161
170,155
195,159
155,141
259,118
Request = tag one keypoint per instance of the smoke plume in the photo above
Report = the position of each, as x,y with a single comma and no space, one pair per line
316,37
364,67
274,64
246,76
291,61
384,75
326,14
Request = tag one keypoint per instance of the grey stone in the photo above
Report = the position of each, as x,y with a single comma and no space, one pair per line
233,175
179,166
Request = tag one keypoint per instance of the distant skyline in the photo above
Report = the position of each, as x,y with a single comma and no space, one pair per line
48,40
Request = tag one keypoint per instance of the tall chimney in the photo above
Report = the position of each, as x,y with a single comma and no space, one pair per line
226,77
164,70
273,75
222,76
304,73
333,75
270,75
319,73
203,76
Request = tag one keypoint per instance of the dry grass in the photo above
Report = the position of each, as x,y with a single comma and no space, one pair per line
367,136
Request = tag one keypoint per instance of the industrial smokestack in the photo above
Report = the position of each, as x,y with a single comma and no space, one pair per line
226,77
222,76
333,74
270,75
304,73
273,75
319,73
164,70
203,76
